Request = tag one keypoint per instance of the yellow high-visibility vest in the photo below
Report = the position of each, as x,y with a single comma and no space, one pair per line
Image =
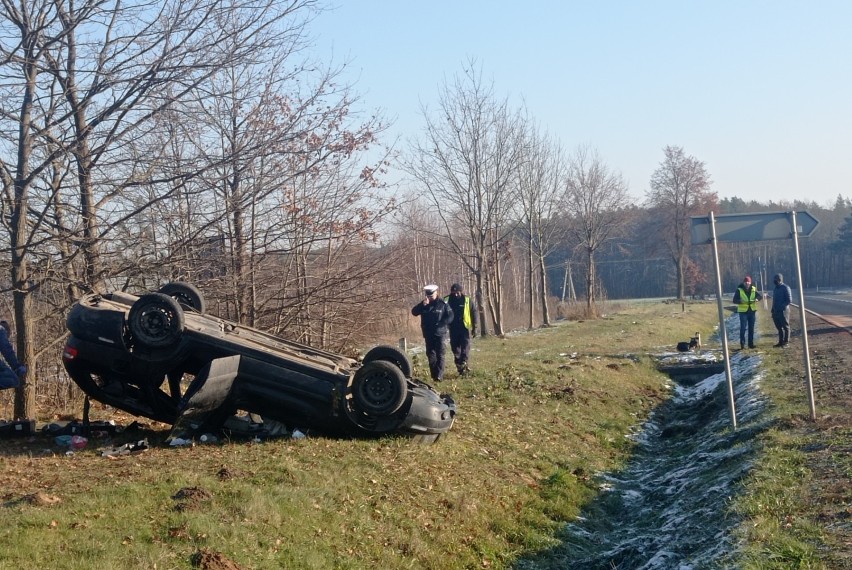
467,318
750,300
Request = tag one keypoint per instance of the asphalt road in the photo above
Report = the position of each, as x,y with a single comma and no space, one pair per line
833,306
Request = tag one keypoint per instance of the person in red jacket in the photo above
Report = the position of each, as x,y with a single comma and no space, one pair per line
746,299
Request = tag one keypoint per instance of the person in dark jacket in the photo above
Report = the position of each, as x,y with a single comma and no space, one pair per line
435,318
781,299
746,299
10,373
462,327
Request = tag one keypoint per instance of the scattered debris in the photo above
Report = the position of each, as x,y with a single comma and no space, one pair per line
274,428
127,449
17,428
78,442
62,440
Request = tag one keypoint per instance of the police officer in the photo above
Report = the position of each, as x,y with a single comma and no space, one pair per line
462,327
435,318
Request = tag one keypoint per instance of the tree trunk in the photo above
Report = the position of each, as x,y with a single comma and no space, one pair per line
496,291
591,278
481,295
545,312
25,392
531,281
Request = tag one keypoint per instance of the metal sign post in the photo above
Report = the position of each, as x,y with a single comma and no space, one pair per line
810,382
722,329
756,227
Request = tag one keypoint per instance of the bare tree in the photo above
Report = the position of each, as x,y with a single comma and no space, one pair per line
91,78
124,64
292,203
596,201
330,207
420,231
467,164
541,179
263,148
26,40
680,188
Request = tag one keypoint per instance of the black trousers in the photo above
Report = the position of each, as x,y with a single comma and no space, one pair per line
435,355
460,345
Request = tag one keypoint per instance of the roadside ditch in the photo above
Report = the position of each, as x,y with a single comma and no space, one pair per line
668,508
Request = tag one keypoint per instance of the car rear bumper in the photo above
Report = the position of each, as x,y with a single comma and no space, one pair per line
430,413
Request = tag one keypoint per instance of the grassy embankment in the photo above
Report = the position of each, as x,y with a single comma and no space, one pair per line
801,483
542,413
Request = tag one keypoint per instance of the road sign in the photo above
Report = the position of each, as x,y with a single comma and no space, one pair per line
752,227
756,227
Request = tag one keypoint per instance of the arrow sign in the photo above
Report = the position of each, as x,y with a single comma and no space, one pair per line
752,227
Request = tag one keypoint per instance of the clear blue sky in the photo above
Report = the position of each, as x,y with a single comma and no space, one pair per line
760,91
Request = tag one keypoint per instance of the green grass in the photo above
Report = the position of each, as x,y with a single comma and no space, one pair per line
777,531
542,413
780,505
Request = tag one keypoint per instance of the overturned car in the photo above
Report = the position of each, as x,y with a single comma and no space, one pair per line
161,356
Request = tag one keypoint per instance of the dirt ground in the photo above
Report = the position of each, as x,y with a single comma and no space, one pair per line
829,450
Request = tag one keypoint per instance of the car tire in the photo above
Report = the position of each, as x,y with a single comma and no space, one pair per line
390,354
186,294
156,321
379,388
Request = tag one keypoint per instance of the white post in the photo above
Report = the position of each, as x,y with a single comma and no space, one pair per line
722,329
810,383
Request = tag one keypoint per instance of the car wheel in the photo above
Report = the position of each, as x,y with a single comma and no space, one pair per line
186,294
155,320
379,388
390,354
